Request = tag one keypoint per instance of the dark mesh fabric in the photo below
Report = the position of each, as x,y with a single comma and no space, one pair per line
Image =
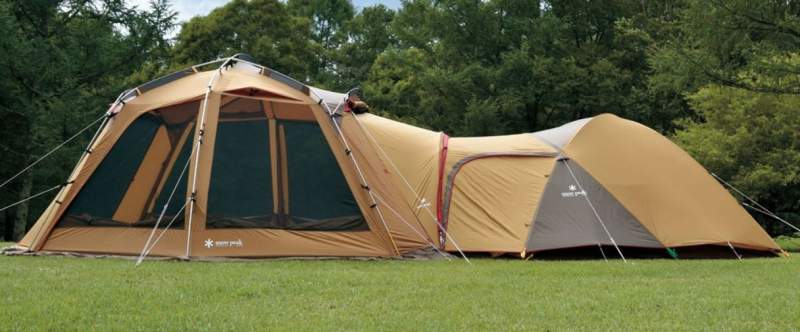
317,187
101,195
241,184
179,199
241,191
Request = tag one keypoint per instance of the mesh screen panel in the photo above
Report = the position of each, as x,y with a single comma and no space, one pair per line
101,195
240,194
179,199
317,187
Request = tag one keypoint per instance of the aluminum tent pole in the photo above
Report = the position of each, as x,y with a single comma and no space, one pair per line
199,142
362,178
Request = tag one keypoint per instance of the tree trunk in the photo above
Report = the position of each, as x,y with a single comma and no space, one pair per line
21,217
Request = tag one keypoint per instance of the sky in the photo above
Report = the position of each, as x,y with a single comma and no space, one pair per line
189,8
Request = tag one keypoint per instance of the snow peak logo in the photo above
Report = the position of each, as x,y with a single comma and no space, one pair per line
573,192
223,244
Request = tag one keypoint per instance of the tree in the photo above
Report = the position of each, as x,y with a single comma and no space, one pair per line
367,35
496,67
261,28
737,63
752,140
63,61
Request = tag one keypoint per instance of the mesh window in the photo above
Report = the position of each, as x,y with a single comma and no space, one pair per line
179,198
319,197
240,194
103,197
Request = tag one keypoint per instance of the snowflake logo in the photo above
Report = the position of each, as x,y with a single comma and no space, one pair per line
572,187
209,243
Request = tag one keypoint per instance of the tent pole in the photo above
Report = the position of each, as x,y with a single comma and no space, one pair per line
106,116
145,251
739,257
199,142
602,252
412,227
411,189
362,178
597,215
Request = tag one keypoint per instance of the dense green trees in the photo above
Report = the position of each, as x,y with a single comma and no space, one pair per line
62,63
718,76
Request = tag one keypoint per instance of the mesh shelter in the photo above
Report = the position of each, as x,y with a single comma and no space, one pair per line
237,161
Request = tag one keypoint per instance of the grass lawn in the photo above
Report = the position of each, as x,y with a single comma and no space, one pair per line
56,293
789,243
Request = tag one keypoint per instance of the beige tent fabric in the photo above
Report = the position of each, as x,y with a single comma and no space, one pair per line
404,228
671,194
415,153
462,147
206,159
494,200
145,180
280,101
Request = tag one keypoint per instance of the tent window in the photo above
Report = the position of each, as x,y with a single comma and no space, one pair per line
319,197
179,198
240,194
117,193
306,190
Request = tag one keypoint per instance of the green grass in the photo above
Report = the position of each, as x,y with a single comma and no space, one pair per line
56,293
789,243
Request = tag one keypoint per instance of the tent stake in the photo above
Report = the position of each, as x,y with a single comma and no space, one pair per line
739,257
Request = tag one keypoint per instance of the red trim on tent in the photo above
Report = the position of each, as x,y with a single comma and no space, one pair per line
444,219
439,188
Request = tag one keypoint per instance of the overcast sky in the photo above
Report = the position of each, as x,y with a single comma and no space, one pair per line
189,8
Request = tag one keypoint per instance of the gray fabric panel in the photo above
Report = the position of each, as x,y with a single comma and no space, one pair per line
559,137
286,79
165,79
565,218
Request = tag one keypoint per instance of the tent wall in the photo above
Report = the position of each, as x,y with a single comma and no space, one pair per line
281,107
671,194
490,201
404,229
415,153
565,219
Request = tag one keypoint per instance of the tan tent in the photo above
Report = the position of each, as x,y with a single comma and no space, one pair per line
242,161
602,181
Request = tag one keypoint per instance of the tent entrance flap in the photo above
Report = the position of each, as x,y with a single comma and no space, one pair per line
565,220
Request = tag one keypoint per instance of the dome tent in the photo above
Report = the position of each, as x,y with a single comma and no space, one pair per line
596,182
243,161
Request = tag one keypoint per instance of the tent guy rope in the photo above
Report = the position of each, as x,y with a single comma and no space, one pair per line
757,207
58,147
411,189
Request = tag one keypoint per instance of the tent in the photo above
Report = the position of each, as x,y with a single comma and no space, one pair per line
243,161
600,182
